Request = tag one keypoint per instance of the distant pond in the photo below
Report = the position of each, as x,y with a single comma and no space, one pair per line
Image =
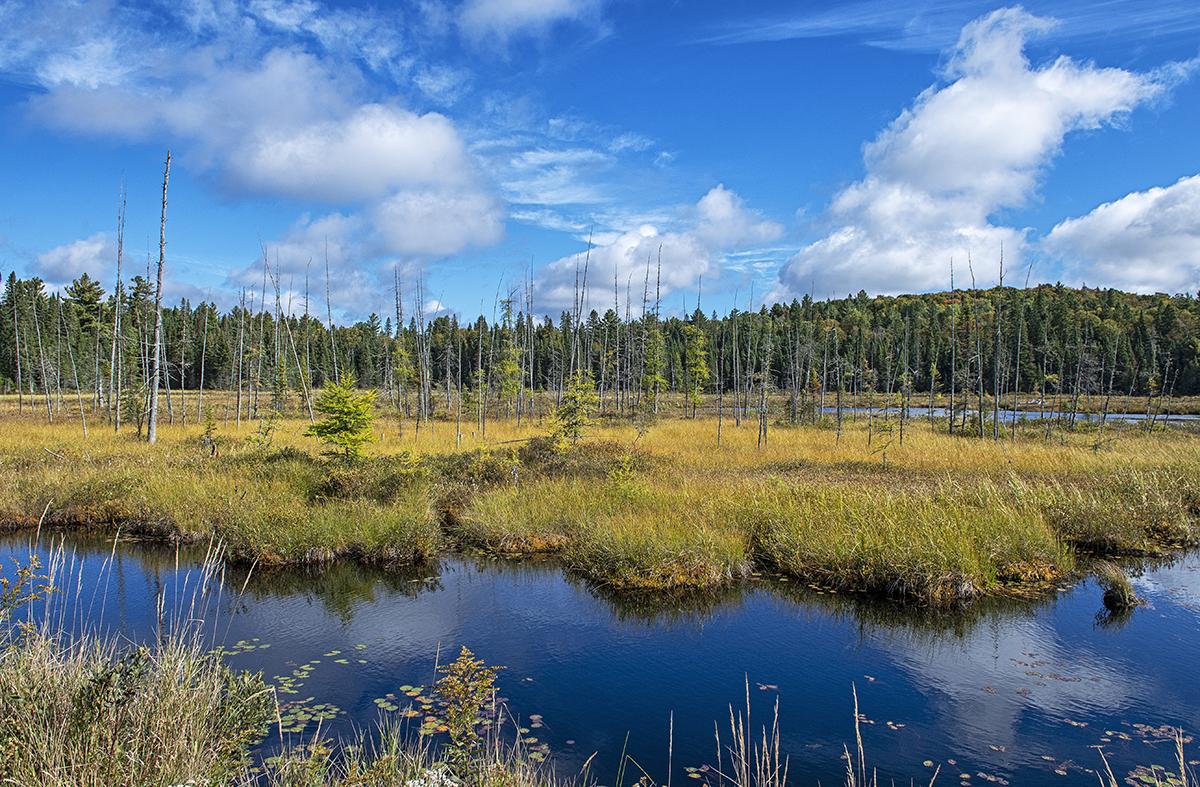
1014,692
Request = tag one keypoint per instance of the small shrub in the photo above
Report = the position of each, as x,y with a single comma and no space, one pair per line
209,439
477,469
383,480
466,687
265,435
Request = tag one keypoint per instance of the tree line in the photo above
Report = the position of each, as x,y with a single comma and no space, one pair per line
978,349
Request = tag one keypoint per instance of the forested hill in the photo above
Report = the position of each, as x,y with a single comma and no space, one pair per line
1050,338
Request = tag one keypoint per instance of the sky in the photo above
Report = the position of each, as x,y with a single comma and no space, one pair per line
760,151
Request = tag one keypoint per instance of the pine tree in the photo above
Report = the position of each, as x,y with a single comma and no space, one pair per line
348,414
696,365
574,413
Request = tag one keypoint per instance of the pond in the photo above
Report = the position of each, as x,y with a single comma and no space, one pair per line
1014,692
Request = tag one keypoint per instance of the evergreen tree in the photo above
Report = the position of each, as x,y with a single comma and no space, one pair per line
348,414
574,414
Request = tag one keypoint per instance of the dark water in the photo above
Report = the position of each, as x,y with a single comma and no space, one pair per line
1009,691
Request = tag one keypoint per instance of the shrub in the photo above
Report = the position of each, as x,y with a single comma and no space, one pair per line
466,687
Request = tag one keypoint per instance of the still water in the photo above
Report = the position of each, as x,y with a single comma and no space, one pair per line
1016,693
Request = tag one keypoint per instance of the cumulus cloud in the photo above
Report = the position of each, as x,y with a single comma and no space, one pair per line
93,255
720,221
271,114
723,221
965,149
503,19
373,149
287,125
1146,241
438,223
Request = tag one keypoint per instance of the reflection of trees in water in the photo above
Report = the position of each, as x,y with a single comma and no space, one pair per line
344,585
175,569
340,587
659,607
868,613
917,621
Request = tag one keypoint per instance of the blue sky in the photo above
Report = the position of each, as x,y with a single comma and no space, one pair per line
764,150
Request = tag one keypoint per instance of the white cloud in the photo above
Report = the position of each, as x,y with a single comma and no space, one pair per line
90,64
374,149
931,27
1147,241
630,141
631,257
544,176
301,253
724,222
437,223
94,255
295,124
964,150
717,223
503,19
443,84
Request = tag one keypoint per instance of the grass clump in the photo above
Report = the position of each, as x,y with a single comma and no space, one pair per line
87,712
81,710
945,546
1119,595
290,532
1123,511
619,533
278,509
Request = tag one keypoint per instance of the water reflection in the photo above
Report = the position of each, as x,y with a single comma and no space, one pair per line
1014,689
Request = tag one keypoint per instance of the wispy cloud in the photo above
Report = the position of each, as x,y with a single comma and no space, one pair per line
932,26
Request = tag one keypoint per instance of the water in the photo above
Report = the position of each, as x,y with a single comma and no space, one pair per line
1012,691
917,412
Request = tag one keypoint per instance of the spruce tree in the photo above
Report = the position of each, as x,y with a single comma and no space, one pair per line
348,414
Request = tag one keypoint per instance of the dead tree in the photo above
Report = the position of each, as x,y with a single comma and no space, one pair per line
152,429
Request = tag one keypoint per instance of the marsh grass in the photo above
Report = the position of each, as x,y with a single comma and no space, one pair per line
649,507
91,711
80,708
1123,511
393,757
1119,595
950,545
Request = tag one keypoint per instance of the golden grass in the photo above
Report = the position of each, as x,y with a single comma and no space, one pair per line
938,518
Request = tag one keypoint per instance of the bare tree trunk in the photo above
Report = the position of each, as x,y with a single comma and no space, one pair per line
329,314
953,345
203,355
152,430
17,346
74,371
37,327
996,355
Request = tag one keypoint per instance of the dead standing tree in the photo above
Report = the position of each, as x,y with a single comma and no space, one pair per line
152,429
